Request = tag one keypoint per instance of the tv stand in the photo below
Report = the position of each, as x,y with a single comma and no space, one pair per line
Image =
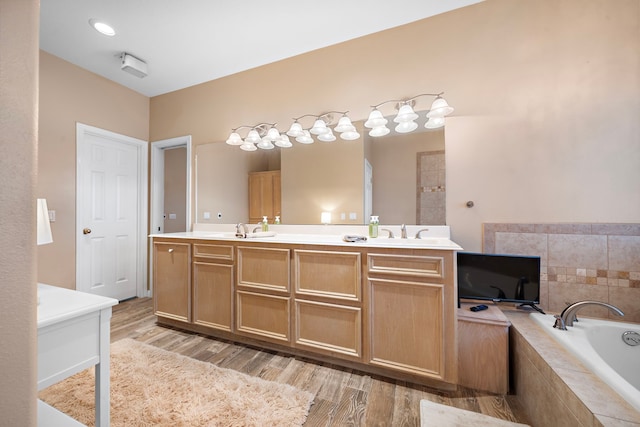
532,305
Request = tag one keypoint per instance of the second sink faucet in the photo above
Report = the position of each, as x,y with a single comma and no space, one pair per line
567,317
403,231
244,232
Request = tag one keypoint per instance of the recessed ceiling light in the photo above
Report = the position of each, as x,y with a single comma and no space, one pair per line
102,28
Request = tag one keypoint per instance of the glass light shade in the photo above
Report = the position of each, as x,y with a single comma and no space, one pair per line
266,144
273,134
248,146
253,137
405,114
379,131
327,137
44,235
406,127
344,125
439,108
283,141
305,138
295,130
434,123
375,119
325,217
319,127
234,139
350,136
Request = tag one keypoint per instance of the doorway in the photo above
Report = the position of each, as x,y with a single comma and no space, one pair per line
111,213
165,197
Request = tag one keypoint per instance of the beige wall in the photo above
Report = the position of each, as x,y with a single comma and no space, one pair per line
547,98
18,139
70,95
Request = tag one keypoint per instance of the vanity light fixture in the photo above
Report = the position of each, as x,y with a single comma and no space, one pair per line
321,128
406,116
263,135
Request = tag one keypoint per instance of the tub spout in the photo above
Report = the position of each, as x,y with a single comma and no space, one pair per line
568,315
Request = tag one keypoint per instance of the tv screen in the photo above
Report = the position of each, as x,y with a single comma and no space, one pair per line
510,278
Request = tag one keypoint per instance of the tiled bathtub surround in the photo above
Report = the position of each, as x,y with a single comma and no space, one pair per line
578,262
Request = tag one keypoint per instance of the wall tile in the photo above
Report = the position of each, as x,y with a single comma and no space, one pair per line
592,251
562,293
563,228
624,253
627,300
522,244
616,229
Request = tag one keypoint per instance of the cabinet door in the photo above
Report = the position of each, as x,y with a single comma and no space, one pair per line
172,280
264,195
213,295
406,327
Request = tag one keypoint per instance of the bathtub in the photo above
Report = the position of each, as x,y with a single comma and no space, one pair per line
599,345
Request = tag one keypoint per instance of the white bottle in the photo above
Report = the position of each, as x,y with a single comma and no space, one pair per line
277,220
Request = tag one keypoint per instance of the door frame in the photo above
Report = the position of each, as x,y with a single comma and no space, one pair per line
156,185
142,209
157,181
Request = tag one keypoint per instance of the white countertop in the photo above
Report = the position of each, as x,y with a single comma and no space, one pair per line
426,242
59,304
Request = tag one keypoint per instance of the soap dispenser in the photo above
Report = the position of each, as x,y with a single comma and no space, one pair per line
265,224
373,226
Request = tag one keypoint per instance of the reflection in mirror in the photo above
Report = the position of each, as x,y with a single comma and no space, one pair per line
407,183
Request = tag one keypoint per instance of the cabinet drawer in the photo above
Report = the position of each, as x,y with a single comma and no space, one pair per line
333,328
264,268
220,252
264,316
328,274
406,265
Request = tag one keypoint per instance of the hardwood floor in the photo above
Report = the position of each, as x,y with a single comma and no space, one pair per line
344,397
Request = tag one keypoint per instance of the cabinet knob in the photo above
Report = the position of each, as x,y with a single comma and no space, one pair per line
170,250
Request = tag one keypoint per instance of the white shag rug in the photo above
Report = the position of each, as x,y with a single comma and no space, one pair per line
154,387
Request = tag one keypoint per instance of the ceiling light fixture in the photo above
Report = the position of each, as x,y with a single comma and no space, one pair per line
102,27
406,116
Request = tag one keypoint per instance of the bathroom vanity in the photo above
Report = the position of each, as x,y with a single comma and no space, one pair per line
384,306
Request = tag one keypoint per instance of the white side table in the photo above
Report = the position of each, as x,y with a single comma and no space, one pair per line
73,335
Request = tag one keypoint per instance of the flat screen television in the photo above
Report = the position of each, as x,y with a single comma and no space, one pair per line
499,278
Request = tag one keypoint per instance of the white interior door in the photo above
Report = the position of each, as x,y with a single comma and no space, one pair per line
110,213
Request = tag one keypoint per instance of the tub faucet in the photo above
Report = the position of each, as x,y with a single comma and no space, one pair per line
403,231
568,315
244,232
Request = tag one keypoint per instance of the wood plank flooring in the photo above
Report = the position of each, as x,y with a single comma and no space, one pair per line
344,397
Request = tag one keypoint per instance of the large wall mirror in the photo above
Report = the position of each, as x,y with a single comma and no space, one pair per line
399,177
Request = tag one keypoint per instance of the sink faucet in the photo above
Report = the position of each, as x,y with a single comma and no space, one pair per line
420,231
244,232
391,236
403,231
568,315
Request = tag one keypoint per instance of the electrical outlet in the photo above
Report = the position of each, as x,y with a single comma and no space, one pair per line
206,215
52,216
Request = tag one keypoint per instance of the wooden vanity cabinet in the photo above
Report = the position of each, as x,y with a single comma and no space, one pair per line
263,293
264,196
328,302
389,311
412,320
172,279
213,285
